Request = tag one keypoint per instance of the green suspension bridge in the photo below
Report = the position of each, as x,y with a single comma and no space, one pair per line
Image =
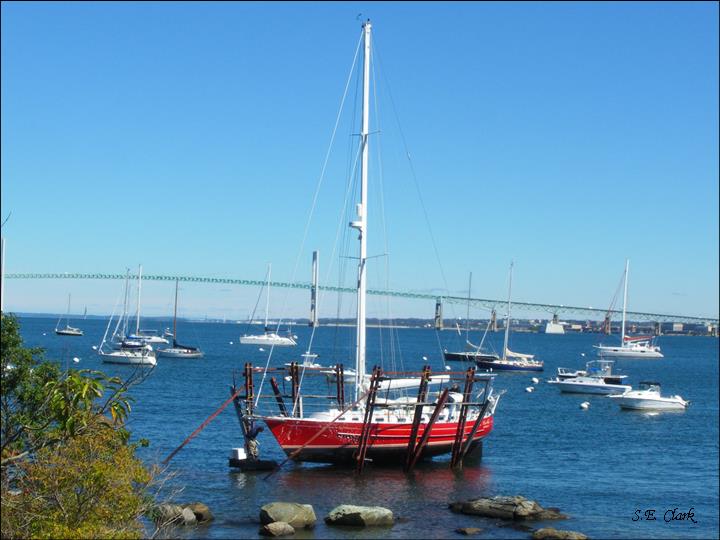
484,303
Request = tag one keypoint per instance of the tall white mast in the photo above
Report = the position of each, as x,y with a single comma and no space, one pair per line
622,332
137,320
361,223
507,316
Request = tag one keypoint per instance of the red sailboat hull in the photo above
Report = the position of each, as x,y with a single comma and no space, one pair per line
388,442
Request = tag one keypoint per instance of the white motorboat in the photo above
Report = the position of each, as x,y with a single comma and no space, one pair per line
597,379
589,385
177,350
630,346
269,338
648,397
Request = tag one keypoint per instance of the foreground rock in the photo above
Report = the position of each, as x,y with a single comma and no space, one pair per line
468,531
295,514
277,528
360,516
555,534
168,514
201,511
506,508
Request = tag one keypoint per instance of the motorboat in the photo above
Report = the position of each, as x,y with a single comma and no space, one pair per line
594,368
648,397
597,379
589,385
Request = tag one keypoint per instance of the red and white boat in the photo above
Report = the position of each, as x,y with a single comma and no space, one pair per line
381,424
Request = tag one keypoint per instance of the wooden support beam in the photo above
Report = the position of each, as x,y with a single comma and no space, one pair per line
278,396
364,441
428,428
422,396
462,418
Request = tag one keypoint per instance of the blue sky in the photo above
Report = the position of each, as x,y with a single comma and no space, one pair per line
189,137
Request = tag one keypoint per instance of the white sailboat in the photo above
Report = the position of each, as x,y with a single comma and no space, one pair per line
121,350
177,350
269,338
630,347
68,330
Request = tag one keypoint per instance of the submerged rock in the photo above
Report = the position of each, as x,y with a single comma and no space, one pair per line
360,516
555,534
297,515
277,528
506,508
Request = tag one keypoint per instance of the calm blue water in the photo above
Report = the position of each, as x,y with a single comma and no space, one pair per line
599,465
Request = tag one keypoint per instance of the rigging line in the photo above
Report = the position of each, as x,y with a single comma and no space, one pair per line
414,177
320,179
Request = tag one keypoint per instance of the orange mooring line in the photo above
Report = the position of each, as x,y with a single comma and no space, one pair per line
202,426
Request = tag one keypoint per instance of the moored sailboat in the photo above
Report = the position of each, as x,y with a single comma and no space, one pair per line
510,361
378,427
630,346
68,330
177,350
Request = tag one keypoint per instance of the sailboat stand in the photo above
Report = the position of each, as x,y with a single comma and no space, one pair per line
379,425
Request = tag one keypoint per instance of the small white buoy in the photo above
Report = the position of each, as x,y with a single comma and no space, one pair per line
231,343
294,336
261,349
448,368
94,347
425,358
529,389
535,380
582,354
585,405
44,333
288,378
76,359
